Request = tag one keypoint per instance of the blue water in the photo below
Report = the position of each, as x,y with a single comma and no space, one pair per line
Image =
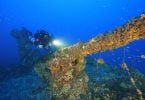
71,21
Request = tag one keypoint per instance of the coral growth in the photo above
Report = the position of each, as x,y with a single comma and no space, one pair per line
62,82
100,61
113,83
67,77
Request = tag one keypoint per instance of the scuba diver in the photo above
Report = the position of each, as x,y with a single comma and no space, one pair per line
41,39
33,47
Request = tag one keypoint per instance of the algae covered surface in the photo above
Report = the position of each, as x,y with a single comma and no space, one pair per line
109,82
65,74
106,82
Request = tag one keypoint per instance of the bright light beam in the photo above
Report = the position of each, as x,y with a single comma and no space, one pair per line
57,43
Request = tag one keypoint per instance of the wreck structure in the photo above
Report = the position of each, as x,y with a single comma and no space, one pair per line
28,56
64,72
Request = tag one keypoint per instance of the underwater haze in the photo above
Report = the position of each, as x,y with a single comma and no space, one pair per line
70,21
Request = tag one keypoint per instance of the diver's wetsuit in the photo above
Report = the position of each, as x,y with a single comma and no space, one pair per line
42,38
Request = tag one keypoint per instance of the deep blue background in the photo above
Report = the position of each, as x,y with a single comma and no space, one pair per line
69,20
